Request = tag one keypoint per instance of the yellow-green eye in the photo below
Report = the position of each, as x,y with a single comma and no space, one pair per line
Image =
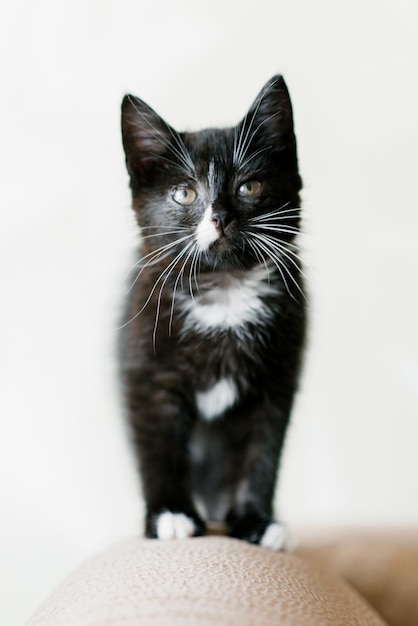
184,195
250,188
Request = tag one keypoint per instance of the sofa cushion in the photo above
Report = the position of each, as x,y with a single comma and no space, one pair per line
202,581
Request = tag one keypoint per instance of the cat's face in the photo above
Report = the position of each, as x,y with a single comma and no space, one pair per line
221,199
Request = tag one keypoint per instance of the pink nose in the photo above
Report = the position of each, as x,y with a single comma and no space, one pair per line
216,219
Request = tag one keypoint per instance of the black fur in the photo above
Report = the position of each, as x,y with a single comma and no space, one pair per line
231,462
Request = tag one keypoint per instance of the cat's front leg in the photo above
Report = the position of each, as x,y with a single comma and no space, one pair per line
170,512
161,424
255,527
251,516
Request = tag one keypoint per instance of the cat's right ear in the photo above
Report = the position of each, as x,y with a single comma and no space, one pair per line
146,138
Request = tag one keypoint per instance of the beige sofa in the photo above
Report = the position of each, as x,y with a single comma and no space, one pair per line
350,579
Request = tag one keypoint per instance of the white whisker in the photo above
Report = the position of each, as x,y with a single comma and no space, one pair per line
277,218
276,213
291,230
259,257
285,245
160,226
267,247
269,241
167,271
169,232
278,264
192,246
156,256
195,261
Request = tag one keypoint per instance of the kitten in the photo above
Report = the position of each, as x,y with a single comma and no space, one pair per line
215,320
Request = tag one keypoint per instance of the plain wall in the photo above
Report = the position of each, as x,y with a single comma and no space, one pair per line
68,483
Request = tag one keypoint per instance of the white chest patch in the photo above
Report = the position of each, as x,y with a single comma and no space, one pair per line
231,304
216,400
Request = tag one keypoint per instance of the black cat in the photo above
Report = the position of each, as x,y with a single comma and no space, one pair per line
215,321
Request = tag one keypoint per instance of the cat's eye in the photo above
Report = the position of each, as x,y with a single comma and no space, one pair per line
249,189
184,195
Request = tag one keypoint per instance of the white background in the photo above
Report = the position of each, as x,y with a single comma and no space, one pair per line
68,485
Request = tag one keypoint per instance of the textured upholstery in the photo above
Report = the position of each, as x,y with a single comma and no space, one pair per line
381,565
203,581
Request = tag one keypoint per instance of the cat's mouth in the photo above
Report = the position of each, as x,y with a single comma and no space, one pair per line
226,253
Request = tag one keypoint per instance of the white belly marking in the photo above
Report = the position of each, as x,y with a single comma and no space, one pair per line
217,399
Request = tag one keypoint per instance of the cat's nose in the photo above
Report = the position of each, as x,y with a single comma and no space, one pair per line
220,220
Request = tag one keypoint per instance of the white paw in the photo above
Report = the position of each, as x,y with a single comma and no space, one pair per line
274,537
174,526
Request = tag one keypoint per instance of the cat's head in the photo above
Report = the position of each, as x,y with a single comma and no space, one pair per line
227,197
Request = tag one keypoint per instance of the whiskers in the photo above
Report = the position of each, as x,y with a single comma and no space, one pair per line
173,268
265,238
157,255
187,257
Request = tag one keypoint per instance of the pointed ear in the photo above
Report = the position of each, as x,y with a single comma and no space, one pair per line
146,138
269,122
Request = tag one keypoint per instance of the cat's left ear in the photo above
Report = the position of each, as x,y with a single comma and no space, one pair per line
270,118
